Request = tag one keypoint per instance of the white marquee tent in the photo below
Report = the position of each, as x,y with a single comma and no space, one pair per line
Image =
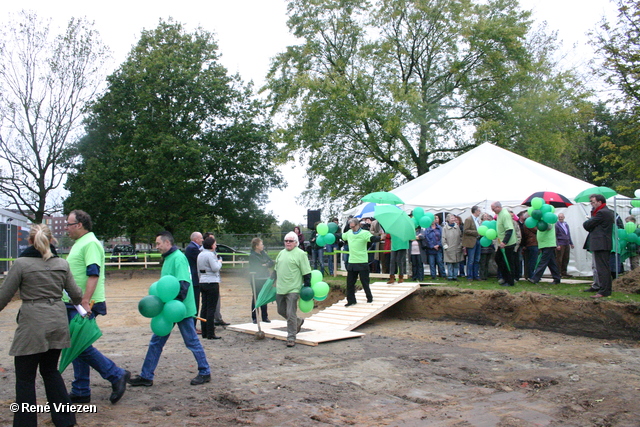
489,173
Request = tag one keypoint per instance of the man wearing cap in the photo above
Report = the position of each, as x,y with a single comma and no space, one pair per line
292,271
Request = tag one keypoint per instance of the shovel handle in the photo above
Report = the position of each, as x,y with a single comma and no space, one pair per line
201,319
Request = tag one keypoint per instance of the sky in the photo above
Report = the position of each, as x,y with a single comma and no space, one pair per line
251,32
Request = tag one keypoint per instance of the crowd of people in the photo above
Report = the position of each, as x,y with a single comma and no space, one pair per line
53,291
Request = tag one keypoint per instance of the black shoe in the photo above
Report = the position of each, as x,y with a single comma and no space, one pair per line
300,326
266,321
213,337
201,379
590,289
255,322
370,300
221,323
139,381
349,304
119,387
556,282
79,399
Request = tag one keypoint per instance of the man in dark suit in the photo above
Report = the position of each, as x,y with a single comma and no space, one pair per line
599,242
192,251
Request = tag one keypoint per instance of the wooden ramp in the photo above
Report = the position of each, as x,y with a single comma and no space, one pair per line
337,321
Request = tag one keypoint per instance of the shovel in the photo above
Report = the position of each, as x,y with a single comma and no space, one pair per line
259,334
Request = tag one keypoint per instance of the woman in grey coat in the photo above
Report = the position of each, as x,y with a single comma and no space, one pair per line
43,328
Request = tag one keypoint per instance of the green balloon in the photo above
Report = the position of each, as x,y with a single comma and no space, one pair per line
168,288
491,234
320,289
174,311
150,306
530,210
550,217
630,227
622,234
635,203
484,242
632,247
305,306
536,214
542,226
546,208
333,227
418,213
329,239
486,224
537,202
531,222
632,238
493,225
161,326
306,293
322,229
416,223
430,215
316,276
425,221
153,289
320,298
482,230
320,240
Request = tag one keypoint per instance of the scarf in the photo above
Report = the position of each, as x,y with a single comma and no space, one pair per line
595,211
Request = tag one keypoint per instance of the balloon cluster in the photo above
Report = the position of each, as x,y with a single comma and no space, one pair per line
318,291
326,233
628,238
489,232
422,219
541,215
162,307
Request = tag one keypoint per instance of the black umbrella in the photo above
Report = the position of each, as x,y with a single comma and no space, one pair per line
550,198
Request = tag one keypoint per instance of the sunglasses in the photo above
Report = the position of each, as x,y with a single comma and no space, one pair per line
289,241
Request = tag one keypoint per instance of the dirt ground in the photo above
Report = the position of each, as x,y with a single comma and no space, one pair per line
408,370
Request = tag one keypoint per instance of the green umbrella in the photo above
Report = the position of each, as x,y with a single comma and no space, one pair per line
84,331
267,294
383,197
584,195
395,221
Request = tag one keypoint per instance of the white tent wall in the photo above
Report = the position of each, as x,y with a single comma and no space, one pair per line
489,173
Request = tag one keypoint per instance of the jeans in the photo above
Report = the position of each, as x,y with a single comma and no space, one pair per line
440,260
191,341
417,268
398,262
288,308
345,257
92,358
317,258
452,270
26,369
330,248
473,261
530,260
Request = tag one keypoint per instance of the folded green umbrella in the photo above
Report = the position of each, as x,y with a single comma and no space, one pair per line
267,294
84,332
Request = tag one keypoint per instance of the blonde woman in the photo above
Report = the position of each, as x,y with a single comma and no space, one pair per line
43,328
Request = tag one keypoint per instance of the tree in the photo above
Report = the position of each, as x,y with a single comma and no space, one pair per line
380,92
619,47
46,81
175,143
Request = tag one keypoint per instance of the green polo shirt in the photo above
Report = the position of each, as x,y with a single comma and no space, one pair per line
176,265
358,243
85,251
547,239
505,222
290,267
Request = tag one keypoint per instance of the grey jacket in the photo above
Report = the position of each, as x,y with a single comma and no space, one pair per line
42,319
209,267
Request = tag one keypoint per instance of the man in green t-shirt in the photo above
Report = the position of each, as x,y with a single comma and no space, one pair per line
358,240
546,256
175,264
292,271
86,261
506,255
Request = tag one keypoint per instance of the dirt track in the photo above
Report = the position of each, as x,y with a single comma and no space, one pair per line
406,371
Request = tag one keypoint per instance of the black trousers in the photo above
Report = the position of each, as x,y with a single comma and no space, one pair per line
210,294
507,268
603,269
546,258
353,271
26,369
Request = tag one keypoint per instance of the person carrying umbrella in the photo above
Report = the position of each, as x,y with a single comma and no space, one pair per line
43,330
